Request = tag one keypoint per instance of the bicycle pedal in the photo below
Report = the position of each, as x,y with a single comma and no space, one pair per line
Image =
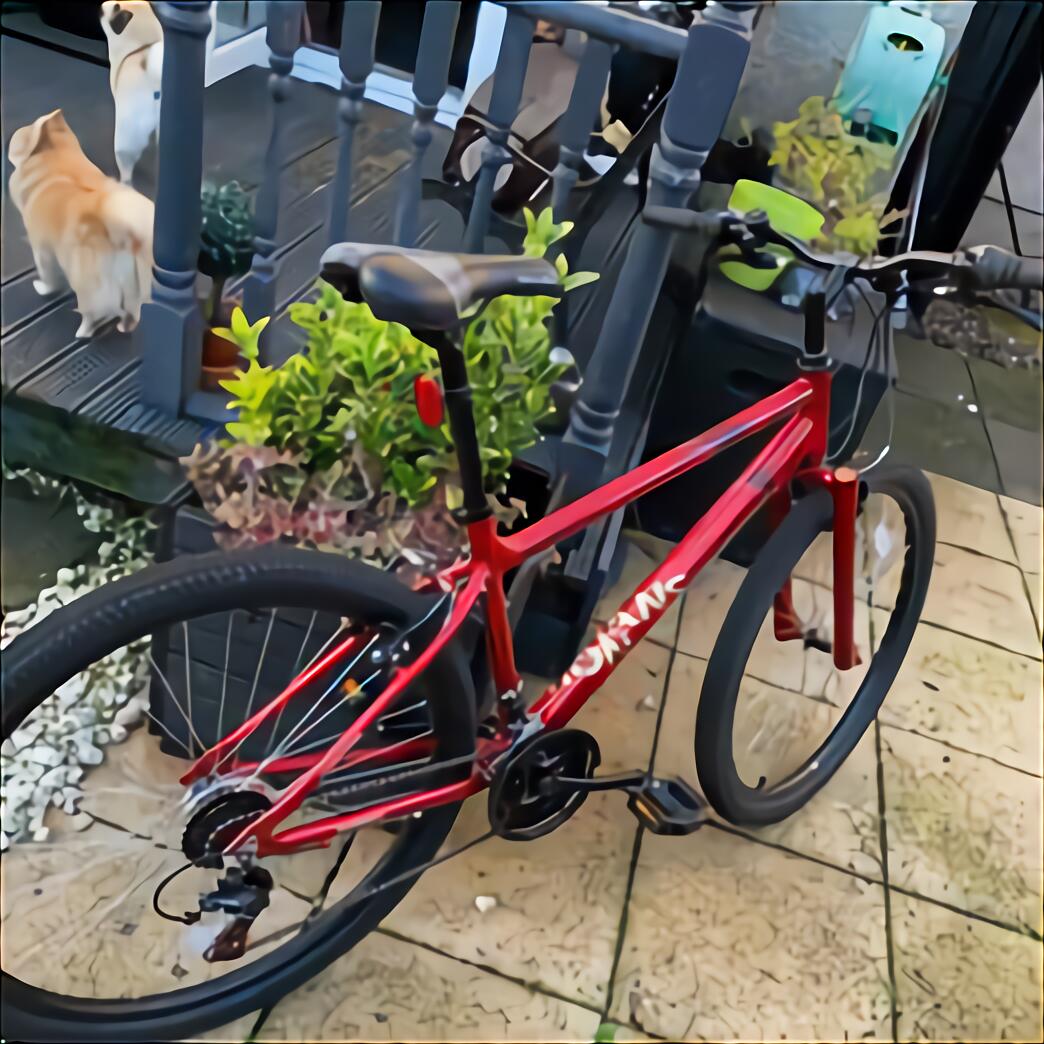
667,806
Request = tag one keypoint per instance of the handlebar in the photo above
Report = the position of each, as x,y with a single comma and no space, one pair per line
996,269
978,268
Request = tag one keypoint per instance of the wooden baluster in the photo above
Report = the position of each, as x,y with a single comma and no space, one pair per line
283,37
503,107
429,85
709,70
170,335
358,36
578,121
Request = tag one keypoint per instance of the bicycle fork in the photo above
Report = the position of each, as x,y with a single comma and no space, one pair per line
843,485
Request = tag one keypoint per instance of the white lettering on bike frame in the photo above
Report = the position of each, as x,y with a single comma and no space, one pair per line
606,648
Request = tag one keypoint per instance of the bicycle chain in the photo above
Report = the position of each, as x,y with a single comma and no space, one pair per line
384,781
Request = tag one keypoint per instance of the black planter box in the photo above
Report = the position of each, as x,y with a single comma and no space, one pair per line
289,640
740,348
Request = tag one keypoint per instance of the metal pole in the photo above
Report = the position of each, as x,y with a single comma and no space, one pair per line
697,108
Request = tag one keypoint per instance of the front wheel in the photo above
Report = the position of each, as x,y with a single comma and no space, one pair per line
190,647
776,719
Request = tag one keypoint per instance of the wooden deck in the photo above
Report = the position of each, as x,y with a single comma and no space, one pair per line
73,406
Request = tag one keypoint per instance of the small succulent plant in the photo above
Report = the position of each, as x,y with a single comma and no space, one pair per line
226,239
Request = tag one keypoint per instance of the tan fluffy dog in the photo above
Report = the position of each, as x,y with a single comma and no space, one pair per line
135,39
81,224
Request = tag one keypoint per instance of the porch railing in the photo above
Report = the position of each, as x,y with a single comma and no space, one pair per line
709,54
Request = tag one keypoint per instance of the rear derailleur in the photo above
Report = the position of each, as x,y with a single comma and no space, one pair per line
243,891
547,777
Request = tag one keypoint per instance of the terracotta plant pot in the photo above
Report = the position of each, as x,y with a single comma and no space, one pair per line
221,359
218,352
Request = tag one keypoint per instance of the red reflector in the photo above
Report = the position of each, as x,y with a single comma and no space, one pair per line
428,395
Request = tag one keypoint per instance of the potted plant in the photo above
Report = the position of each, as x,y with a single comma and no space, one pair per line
345,448
339,448
841,173
226,249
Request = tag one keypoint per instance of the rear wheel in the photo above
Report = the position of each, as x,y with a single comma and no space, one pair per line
85,954
776,719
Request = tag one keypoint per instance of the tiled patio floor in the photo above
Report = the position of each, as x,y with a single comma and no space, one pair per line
904,902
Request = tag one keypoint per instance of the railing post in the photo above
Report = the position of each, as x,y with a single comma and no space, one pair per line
429,85
508,83
579,118
283,37
704,87
358,36
170,335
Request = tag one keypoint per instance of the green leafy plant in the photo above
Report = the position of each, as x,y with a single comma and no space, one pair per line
226,240
817,158
331,440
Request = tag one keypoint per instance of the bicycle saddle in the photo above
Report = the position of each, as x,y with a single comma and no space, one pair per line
428,289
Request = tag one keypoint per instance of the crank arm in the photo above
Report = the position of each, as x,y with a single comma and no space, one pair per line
588,784
662,806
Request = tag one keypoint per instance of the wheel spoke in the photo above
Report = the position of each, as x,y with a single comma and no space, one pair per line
296,671
304,643
152,717
283,747
188,680
224,677
260,663
177,703
284,750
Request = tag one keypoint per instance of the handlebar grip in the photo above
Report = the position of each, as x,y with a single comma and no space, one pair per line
679,219
996,269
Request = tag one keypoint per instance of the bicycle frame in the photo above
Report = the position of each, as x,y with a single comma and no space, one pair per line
798,447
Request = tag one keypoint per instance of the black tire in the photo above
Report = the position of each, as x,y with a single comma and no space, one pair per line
81,633
730,796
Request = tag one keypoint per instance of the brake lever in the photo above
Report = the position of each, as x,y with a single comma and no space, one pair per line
748,234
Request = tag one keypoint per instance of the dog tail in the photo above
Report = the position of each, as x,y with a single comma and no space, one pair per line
128,217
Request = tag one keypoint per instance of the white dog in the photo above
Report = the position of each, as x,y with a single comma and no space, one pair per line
135,39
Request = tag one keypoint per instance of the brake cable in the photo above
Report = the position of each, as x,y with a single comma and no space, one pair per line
886,350
869,357
190,916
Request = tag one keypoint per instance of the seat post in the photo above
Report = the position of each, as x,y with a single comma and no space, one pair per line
457,392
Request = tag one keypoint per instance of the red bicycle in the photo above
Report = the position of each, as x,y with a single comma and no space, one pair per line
383,707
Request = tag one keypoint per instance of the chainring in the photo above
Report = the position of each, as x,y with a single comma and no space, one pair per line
518,809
